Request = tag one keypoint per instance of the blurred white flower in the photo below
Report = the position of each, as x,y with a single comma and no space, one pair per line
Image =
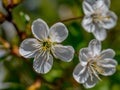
2,9
5,85
3,74
98,18
46,44
93,62
3,71
3,51
9,31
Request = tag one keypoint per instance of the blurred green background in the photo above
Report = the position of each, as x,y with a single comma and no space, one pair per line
16,73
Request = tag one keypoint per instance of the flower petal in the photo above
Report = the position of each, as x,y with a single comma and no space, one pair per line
3,51
80,73
95,47
28,48
2,9
43,63
87,24
84,55
3,71
109,53
111,21
9,30
92,2
100,34
65,53
40,29
91,82
107,2
87,8
58,32
100,6
108,65
6,85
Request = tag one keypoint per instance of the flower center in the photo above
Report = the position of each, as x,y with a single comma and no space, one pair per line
97,68
94,68
47,45
97,17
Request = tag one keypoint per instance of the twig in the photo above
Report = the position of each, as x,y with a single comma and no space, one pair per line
4,42
70,19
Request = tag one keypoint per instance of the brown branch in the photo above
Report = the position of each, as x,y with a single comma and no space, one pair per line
70,19
67,20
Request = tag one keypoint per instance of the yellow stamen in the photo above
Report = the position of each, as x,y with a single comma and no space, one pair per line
94,68
97,68
47,45
98,17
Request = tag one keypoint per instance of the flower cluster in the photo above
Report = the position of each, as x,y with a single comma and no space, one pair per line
93,61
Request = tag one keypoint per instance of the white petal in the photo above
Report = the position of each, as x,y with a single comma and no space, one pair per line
91,83
80,73
58,32
100,34
2,9
6,85
9,30
87,8
111,21
109,53
84,55
107,2
100,6
40,29
87,24
108,65
43,63
28,48
95,47
92,2
3,51
3,71
64,53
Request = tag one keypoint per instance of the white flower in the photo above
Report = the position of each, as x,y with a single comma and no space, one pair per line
46,44
93,62
98,18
